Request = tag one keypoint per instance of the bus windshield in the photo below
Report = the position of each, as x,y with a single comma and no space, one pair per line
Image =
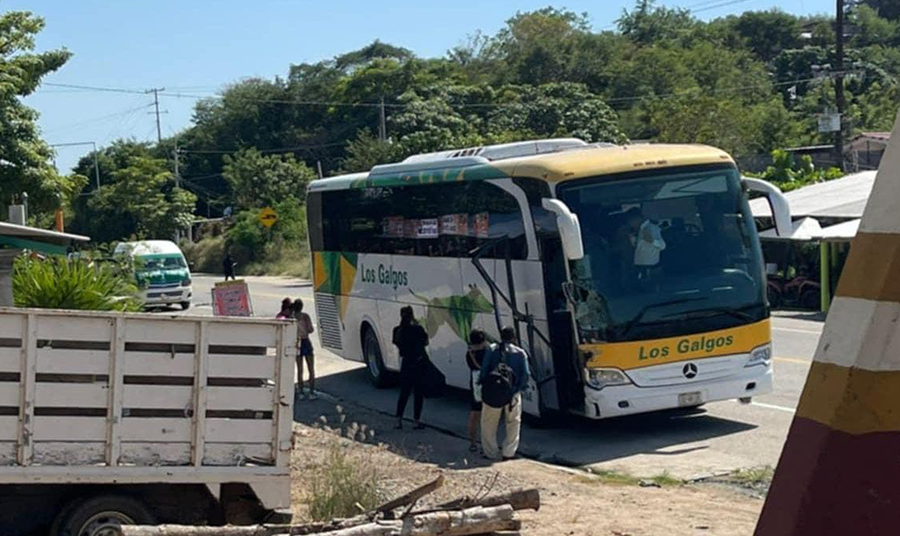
667,253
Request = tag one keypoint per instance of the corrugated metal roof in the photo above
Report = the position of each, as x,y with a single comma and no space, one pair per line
840,198
40,235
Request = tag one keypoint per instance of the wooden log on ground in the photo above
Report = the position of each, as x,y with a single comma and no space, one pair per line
412,496
234,530
527,499
477,520
185,530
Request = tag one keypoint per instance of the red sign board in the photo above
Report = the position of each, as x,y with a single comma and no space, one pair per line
231,298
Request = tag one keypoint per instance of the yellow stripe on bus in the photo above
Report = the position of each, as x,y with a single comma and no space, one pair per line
629,355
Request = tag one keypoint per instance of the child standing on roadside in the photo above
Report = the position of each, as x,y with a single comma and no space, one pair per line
304,349
478,347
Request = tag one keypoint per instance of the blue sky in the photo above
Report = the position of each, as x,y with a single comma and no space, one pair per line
197,46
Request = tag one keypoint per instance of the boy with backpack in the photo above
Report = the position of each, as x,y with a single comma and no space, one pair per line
504,375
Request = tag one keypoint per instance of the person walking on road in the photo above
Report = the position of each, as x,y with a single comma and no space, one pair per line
287,310
504,375
478,347
228,266
304,349
410,339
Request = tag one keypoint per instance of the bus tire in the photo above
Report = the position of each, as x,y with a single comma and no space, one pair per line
377,372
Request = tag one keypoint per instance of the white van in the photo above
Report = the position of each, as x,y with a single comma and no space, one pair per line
161,271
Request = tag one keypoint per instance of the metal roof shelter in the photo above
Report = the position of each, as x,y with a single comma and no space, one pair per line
839,202
843,198
24,237
14,238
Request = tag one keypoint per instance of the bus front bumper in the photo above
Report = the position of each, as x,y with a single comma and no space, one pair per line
619,400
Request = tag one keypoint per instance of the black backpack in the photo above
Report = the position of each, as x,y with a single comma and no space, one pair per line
497,388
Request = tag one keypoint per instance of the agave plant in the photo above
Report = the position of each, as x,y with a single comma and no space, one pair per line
61,283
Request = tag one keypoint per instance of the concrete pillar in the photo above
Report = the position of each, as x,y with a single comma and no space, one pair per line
839,471
7,256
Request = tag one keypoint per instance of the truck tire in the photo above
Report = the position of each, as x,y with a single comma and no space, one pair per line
185,305
378,374
98,516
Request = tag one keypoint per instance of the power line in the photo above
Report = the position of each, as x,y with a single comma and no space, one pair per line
264,151
717,6
99,119
94,88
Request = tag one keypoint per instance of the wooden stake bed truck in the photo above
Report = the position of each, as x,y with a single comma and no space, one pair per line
142,419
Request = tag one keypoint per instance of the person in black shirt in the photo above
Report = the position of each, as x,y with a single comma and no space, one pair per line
478,345
410,339
228,265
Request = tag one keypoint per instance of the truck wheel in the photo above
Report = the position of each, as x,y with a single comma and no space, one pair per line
99,516
378,374
185,305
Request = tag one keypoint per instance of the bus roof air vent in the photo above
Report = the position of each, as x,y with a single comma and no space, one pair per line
501,151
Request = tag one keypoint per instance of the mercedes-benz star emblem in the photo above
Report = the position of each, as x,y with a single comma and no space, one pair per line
689,371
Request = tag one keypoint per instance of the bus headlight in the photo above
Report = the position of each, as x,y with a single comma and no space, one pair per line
761,355
598,378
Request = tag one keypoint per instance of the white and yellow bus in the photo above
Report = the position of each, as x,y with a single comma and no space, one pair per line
633,274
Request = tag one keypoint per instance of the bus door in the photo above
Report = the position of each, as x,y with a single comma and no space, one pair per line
566,363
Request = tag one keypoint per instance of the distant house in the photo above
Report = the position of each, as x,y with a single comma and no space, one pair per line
865,150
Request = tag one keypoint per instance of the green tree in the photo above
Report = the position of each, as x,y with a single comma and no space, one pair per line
767,33
871,28
142,201
366,150
259,180
25,159
648,23
889,9
556,110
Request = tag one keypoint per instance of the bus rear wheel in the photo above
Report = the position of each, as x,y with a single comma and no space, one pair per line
378,374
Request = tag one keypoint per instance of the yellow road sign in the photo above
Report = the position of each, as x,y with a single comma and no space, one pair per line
268,217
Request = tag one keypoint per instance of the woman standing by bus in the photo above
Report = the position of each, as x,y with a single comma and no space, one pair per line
410,339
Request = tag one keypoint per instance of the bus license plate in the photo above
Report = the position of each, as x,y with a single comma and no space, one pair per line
690,399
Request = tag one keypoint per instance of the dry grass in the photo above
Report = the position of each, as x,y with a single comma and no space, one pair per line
344,485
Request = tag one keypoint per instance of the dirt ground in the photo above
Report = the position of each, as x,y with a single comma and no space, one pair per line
573,502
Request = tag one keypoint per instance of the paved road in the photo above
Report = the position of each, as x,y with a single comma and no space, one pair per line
719,438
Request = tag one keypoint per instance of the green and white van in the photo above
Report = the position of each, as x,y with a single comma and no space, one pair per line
161,271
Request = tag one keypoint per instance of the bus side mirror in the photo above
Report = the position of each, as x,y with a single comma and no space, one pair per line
569,228
781,210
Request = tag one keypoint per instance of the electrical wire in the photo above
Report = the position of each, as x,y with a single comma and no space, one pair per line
99,119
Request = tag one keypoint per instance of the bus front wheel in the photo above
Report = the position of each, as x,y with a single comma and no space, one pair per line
378,374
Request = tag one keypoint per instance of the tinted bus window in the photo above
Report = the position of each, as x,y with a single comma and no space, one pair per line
443,220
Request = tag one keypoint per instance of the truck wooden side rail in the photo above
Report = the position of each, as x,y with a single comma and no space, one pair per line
145,417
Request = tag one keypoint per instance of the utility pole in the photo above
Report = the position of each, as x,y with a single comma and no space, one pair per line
382,127
839,82
177,175
155,92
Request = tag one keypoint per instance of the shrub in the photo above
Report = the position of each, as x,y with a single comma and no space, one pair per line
343,486
60,283
205,255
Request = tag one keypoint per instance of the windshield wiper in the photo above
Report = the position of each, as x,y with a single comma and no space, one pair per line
637,319
737,312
